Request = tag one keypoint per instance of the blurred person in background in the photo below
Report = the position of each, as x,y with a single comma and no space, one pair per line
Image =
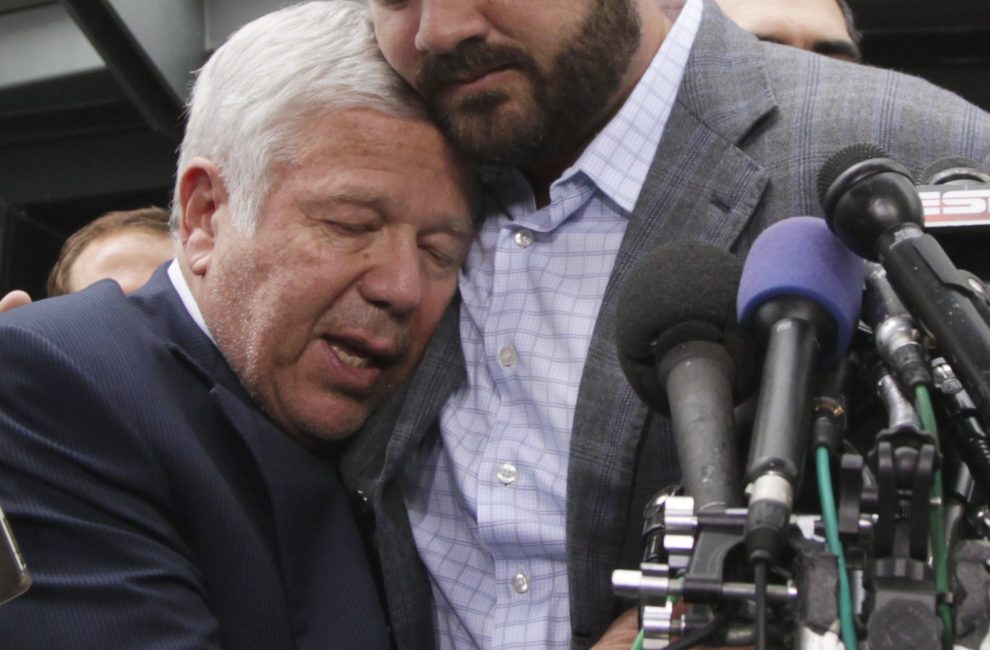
823,26
124,246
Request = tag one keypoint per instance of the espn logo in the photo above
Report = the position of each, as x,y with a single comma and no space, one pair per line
955,205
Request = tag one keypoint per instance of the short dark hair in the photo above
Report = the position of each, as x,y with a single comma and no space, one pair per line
152,220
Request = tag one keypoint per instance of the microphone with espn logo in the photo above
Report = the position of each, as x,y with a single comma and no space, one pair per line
955,196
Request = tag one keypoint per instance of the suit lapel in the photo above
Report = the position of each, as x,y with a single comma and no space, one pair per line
373,460
702,186
324,566
440,373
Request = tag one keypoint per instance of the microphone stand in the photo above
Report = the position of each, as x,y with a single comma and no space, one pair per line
901,594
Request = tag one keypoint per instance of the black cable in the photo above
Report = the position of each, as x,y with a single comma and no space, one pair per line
760,578
701,635
974,446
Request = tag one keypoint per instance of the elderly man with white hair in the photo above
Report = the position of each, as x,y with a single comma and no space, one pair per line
167,457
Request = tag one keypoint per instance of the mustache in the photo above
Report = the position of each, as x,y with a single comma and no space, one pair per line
471,59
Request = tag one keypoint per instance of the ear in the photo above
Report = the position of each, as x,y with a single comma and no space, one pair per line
202,195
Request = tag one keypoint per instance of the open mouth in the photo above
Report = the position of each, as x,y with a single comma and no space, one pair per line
351,357
353,366
361,354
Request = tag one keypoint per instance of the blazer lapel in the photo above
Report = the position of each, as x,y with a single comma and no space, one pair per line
373,460
327,575
701,186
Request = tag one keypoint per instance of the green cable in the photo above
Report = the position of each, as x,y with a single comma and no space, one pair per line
847,623
923,404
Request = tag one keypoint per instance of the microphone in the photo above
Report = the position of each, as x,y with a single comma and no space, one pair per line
955,197
956,171
871,204
683,354
800,293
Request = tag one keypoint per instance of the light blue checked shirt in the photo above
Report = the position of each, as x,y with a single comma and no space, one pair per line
487,504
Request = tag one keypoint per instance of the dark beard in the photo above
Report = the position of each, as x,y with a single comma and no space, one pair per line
563,108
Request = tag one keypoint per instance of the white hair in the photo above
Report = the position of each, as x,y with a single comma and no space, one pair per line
253,98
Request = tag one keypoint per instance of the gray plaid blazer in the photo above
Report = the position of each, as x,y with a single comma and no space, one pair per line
752,125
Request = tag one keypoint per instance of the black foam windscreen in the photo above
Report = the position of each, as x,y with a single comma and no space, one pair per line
864,195
952,169
841,161
680,292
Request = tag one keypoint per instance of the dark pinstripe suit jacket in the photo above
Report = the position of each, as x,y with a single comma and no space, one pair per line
752,125
156,506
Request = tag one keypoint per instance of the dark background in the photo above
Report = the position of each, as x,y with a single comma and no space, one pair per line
75,143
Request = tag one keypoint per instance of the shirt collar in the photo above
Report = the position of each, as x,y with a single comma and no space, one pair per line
619,158
185,294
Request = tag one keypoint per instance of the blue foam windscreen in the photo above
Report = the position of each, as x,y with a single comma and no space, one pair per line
801,257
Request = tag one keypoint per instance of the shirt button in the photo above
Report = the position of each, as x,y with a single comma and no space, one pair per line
507,473
508,356
520,583
523,238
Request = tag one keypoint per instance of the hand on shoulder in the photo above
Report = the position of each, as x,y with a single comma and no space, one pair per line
15,298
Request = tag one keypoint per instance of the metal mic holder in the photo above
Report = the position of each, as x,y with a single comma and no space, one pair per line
884,511
700,559
900,604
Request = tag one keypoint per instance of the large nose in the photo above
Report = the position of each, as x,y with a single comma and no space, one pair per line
394,281
445,24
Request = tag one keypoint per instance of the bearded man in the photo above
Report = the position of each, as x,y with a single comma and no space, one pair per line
519,460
